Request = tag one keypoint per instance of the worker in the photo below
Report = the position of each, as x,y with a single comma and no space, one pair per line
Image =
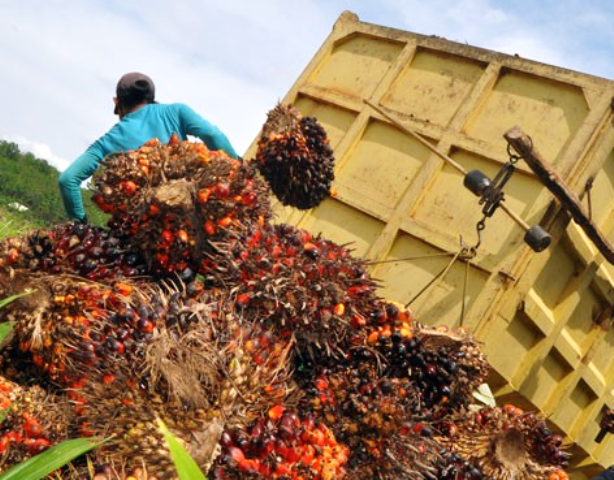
141,119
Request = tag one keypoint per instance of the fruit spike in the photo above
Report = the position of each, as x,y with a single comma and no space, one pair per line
295,158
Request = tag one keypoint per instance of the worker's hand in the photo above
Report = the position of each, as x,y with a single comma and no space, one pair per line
83,221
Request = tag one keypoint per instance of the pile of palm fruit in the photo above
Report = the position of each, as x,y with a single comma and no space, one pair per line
265,349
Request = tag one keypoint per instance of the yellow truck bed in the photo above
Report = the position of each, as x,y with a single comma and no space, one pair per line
544,318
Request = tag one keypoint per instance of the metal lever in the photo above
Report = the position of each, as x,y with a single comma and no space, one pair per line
536,237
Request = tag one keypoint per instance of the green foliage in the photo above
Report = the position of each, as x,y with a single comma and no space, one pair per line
32,182
187,469
44,464
12,298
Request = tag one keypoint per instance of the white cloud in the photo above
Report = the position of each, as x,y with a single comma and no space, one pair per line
232,61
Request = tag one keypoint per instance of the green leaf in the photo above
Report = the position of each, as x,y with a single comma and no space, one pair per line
5,329
5,411
12,298
187,469
44,464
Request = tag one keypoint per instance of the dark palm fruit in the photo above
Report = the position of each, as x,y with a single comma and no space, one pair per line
295,158
73,248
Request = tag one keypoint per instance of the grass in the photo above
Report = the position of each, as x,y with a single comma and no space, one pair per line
14,223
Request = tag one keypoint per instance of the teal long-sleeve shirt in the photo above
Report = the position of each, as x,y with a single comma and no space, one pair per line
131,132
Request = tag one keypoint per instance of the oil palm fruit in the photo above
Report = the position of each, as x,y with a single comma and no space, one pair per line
295,157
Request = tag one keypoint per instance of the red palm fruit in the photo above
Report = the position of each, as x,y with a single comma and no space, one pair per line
145,326
167,237
236,454
203,195
174,140
224,222
123,288
209,227
39,445
276,412
222,190
243,299
31,428
128,187
182,236
12,256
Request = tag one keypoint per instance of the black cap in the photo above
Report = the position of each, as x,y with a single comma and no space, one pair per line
135,87
137,84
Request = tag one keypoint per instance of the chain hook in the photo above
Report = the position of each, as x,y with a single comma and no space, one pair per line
466,252
481,225
514,157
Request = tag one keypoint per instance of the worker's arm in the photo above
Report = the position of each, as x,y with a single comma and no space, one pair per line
71,179
197,126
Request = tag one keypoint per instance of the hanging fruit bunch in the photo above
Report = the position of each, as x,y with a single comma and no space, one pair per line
174,200
295,158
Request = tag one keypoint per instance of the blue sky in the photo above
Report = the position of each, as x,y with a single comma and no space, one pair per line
233,60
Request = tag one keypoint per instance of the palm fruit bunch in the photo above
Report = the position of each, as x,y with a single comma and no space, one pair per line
73,326
282,444
372,416
295,157
172,201
89,251
257,373
133,351
298,284
128,414
502,443
397,378
33,421
444,366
